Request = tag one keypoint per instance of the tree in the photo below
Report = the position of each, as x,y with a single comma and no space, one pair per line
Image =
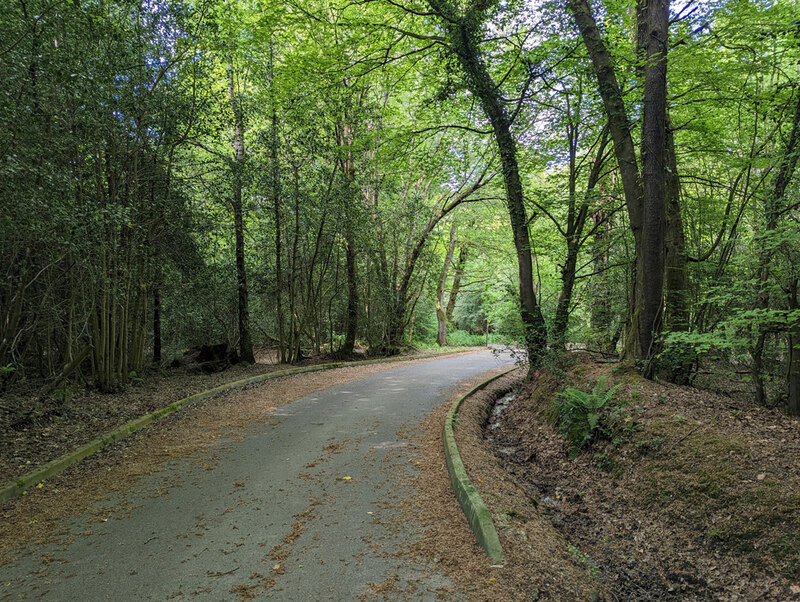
463,28
441,313
645,193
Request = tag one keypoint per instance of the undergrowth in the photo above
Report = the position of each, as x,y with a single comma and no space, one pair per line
585,417
685,469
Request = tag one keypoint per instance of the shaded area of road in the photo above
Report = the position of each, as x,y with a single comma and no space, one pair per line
305,508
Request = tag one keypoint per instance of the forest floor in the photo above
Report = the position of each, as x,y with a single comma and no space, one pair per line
79,415
696,498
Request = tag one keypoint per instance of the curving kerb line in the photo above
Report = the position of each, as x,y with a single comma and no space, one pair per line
478,515
21,484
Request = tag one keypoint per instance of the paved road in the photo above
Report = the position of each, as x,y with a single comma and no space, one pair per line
305,509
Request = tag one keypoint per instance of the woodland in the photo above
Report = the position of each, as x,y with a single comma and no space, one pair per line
354,177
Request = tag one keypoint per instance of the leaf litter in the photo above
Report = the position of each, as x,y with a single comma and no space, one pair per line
700,500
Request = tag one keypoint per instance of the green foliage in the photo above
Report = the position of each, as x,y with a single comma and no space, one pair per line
116,181
425,325
582,417
462,338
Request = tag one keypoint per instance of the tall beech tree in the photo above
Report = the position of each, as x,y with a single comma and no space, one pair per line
645,193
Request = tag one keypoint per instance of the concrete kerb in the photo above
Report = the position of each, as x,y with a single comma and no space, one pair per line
23,483
478,515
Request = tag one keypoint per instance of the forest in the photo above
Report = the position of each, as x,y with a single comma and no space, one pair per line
349,178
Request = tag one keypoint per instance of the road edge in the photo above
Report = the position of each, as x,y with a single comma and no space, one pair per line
21,484
478,515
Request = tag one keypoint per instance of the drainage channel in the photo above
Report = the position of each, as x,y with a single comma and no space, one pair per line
500,406
515,459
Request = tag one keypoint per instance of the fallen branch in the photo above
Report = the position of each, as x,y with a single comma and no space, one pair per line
219,574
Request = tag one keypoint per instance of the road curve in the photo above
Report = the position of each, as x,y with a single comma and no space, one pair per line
303,508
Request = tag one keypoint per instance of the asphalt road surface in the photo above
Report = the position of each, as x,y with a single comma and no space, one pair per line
305,508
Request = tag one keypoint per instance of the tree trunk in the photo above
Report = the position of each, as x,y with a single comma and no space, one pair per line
441,314
295,322
464,36
645,196
793,368
352,295
676,311
600,316
618,123
71,366
624,151
156,324
458,274
676,281
650,281
245,341
275,170
561,321
345,136
576,220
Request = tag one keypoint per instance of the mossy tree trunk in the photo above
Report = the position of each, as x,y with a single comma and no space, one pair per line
463,27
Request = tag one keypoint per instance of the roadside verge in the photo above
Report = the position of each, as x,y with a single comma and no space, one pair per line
478,515
20,485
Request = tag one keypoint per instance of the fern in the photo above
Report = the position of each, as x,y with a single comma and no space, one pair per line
582,416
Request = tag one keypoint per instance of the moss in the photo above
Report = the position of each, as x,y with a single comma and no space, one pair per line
580,370
626,373
609,462
703,483
765,527
515,514
692,474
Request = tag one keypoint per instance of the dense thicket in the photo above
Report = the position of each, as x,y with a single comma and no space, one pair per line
320,177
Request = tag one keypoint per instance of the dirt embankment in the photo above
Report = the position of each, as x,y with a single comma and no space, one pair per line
687,496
